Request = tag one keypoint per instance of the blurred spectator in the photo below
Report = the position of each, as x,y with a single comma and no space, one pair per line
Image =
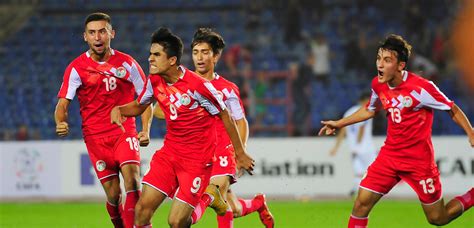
320,51
22,134
301,75
261,88
293,23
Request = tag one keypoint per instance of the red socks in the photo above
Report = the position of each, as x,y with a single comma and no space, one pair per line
356,222
227,220
200,208
249,206
128,215
114,213
467,200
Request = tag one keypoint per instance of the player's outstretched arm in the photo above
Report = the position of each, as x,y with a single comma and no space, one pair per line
131,109
330,126
243,159
60,117
144,134
460,119
243,128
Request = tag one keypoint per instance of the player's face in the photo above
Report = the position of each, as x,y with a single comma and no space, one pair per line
98,35
388,65
204,58
158,59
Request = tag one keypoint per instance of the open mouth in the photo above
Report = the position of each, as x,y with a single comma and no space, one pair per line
98,45
380,74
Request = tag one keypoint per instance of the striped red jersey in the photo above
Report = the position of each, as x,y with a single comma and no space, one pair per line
100,87
409,108
189,106
231,96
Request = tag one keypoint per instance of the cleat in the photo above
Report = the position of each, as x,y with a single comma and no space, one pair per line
218,203
265,215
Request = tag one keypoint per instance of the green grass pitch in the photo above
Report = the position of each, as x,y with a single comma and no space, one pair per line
386,214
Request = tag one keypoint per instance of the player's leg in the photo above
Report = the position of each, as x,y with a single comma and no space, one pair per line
243,207
380,178
150,199
429,189
180,214
113,193
131,177
225,220
128,156
363,204
101,155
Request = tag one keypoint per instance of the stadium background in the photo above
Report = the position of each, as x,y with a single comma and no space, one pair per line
267,55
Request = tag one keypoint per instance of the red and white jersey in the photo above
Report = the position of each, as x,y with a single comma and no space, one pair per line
189,106
100,87
231,96
409,109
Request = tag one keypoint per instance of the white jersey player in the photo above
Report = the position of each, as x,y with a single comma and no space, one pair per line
360,141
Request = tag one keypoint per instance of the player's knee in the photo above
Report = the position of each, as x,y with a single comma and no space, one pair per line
362,207
436,220
132,183
175,221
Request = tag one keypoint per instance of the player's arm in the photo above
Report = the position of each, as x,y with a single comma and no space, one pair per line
460,119
60,116
242,158
157,112
330,126
243,128
144,134
131,109
339,139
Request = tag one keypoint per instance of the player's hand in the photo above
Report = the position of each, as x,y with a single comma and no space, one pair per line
62,129
143,138
116,117
329,128
244,162
333,152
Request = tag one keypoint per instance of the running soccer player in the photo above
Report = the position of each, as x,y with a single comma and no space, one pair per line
182,167
407,154
104,78
207,47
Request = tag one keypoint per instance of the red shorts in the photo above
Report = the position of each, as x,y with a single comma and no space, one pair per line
385,172
184,179
224,164
109,153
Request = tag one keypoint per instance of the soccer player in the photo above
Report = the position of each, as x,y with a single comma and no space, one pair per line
407,154
182,167
103,78
359,138
207,47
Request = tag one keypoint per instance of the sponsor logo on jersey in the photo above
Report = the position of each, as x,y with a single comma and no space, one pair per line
407,101
121,72
100,165
185,99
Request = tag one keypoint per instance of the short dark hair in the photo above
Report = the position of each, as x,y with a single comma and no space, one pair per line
397,44
98,16
172,44
206,35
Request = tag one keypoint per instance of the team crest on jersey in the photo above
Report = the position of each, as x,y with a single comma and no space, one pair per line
407,101
100,165
185,99
121,72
